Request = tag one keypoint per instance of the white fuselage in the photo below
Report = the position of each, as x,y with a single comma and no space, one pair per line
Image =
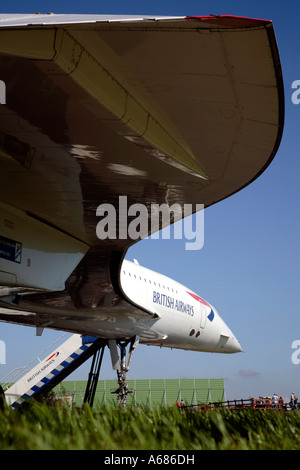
184,320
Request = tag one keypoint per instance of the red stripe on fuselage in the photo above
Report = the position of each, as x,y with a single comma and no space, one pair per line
196,297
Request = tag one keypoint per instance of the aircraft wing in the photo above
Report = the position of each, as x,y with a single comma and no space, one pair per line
169,110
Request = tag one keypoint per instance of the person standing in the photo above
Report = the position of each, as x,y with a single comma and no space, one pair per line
275,400
292,402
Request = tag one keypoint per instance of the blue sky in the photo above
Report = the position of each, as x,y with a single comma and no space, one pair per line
249,265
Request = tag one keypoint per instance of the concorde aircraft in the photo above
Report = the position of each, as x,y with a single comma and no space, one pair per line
162,110
184,319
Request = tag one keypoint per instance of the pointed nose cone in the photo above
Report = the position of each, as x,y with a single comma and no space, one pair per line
232,345
227,342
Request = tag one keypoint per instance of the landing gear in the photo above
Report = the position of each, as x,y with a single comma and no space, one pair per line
121,366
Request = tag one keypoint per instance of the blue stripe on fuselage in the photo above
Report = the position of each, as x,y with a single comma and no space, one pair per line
211,315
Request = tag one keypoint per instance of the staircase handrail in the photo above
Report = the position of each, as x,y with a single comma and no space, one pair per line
24,369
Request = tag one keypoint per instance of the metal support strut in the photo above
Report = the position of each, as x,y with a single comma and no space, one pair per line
121,366
93,376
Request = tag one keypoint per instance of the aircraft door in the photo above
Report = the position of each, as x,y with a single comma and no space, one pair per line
202,315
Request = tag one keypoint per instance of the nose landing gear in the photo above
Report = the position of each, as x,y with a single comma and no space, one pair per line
120,364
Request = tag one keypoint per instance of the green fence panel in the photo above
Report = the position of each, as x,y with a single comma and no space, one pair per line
148,392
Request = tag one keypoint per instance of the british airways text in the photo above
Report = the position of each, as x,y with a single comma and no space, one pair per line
170,302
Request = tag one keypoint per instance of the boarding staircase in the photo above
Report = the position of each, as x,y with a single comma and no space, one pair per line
56,366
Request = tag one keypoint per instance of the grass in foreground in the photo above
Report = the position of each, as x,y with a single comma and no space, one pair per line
43,427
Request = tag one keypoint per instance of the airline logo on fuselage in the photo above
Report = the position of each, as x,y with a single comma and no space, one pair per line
202,301
52,356
171,302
